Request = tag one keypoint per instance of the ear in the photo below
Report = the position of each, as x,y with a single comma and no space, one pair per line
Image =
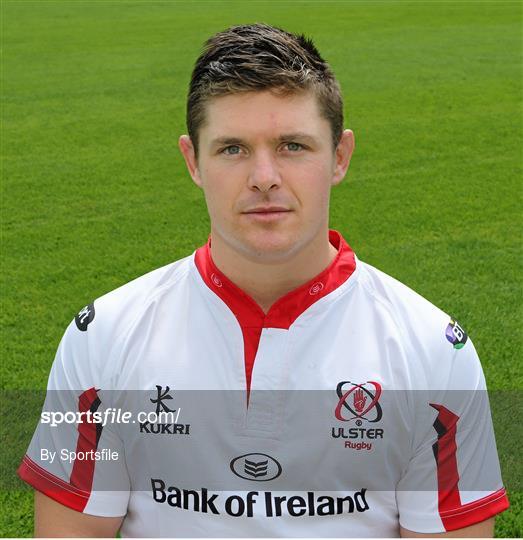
187,149
343,154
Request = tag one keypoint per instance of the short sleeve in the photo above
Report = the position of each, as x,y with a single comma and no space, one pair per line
453,478
76,456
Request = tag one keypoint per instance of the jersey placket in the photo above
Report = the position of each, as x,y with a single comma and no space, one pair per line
268,380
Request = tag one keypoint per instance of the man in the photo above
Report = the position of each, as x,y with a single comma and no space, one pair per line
315,396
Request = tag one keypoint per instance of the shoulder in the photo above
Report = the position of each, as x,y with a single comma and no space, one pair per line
116,310
92,345
408,308
436,345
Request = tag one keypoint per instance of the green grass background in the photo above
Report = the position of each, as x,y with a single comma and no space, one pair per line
94,191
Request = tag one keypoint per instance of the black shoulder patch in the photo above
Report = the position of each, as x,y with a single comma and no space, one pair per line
455,334
84,317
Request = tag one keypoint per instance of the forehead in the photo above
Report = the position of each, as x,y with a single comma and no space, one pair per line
250,115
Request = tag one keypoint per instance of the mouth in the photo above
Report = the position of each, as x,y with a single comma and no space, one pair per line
267,210
267,213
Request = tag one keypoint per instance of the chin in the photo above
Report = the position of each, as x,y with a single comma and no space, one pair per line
269,247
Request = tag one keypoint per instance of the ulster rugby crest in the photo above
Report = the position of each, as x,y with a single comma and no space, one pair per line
358,402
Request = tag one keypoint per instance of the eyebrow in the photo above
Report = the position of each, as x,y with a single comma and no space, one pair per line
284,137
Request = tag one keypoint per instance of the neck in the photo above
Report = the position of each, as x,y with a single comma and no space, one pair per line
265,283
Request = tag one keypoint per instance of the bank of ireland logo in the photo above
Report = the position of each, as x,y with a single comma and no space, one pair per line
256,466
455,334
358,402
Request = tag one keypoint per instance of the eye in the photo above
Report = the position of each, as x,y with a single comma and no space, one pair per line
294,146
232,150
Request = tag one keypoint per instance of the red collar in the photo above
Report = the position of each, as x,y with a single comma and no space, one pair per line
290,306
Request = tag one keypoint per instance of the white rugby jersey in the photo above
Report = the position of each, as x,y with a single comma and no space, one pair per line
354,405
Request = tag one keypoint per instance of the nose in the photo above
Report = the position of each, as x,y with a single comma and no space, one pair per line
264,174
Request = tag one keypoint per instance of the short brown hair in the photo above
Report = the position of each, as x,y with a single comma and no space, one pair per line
258,57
